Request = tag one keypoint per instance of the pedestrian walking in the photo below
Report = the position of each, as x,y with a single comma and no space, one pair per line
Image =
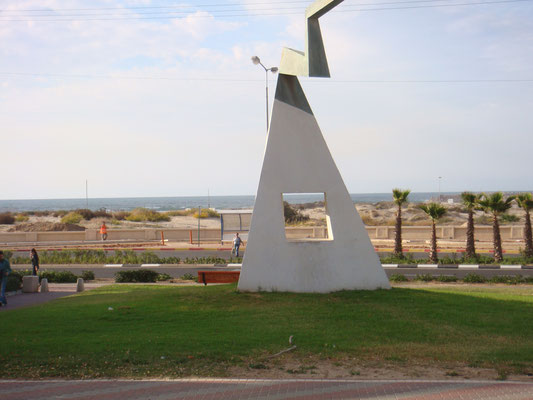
103,231
237,241
34,261
5,270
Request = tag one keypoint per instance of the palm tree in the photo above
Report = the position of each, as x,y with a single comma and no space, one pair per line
400,197
470,203
525,200
496,205
435,211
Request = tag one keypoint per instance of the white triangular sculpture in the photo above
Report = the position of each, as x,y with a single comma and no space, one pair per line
297,160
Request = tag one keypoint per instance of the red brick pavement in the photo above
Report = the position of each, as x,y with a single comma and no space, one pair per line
217,389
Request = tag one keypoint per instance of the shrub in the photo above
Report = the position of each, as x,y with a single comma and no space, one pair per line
510,280
403,259
292,215
58,276
424,278
6,218
509,218
144,214
87,275
72,218
205,213
189,277
398,278
446,278
163,277
60,213
141,275
179,213
474,278
121,215
85,213
21,218
14,281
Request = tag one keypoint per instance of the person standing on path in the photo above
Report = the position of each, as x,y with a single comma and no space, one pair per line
237,241
34,261
5,270
103,231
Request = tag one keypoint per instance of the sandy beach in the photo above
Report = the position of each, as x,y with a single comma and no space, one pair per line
372,214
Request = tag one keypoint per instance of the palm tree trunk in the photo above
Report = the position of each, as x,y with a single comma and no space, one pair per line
496,239
433,252
470,246
528,236
398,251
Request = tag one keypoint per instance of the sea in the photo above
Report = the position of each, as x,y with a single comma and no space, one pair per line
184,202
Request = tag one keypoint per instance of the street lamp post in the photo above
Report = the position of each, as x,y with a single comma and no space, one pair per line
256,60
440,177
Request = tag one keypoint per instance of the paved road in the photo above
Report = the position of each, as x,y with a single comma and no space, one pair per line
212,389
178,271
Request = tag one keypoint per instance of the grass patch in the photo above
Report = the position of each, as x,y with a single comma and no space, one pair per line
136,331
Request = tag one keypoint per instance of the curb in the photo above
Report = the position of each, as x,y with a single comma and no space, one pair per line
457,266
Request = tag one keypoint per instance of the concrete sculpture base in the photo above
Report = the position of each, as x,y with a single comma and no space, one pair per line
297,160
30,284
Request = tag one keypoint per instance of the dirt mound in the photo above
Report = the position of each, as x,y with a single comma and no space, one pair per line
46,227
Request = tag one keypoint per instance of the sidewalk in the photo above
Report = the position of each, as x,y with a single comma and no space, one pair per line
213,389
56,290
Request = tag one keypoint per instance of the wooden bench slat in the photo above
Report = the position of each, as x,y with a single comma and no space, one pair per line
206,277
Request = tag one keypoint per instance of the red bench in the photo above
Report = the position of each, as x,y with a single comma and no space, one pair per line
206,277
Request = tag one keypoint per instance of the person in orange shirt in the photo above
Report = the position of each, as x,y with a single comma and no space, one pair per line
103,231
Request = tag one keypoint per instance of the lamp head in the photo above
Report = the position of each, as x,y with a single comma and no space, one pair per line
274,69
256,60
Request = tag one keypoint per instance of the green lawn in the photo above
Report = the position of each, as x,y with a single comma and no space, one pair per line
180,331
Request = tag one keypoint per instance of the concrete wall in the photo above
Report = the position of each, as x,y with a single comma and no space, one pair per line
483,233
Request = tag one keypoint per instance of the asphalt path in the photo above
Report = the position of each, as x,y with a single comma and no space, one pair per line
263,389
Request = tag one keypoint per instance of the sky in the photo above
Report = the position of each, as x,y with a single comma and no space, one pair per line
160,98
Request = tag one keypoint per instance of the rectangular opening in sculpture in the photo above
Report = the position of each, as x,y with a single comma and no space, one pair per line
306,217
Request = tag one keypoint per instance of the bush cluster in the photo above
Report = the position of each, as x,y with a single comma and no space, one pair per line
145,214
58,276
87,275
22,217
470,278
454,259
398,278
72,218
293,215
96,257
14,281
189,277
6,218
140,275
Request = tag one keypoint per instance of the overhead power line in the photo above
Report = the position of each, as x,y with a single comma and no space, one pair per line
200,79
228,13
